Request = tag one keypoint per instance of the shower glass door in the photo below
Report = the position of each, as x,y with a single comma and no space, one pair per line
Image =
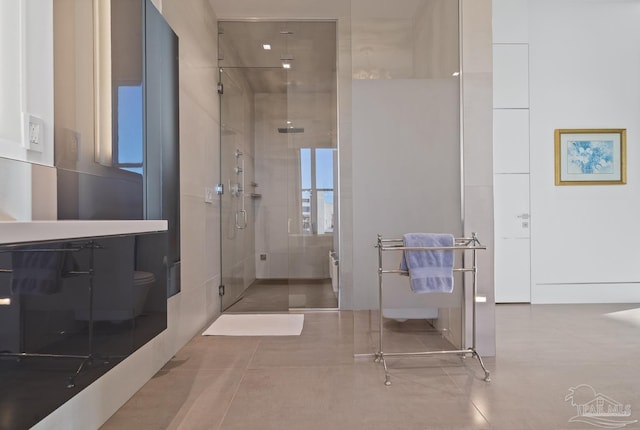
236,225
277,164
255,187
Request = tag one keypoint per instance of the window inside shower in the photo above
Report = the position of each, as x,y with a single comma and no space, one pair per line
316,177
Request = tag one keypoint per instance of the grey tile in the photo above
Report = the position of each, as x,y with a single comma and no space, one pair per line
281,295
215,352
312,381
193,399
345,397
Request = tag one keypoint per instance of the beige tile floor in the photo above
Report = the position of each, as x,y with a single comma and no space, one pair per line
282,295
313,382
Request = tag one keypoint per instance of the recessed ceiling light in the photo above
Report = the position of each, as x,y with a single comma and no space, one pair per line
5,301
286,65
288,121
266,47
455,74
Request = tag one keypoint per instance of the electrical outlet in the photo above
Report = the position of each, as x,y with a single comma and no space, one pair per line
33,135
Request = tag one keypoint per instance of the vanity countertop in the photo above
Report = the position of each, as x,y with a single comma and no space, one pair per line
12,232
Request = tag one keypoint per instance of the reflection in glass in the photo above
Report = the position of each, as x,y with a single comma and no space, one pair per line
71,311
129,139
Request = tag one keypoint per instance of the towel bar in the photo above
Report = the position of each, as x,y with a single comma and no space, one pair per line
461,244
90,356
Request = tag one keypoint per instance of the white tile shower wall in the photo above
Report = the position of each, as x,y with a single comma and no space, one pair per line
435,47
307,256
276,169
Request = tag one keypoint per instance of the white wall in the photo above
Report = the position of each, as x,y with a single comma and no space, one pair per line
511,150
27,50
583,69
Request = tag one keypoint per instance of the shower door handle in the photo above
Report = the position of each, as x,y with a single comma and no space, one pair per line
244,220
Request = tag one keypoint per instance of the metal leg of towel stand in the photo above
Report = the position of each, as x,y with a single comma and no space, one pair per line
380,357
487,374
474,290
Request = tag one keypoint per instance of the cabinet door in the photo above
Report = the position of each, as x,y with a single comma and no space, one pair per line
512,239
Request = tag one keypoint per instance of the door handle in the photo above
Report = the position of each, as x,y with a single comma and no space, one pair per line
244,220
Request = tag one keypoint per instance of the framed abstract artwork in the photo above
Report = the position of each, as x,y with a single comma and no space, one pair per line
590,156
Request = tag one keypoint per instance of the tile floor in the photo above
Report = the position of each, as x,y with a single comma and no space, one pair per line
313,382
278,295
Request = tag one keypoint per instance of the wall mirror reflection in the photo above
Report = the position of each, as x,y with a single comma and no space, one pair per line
116,106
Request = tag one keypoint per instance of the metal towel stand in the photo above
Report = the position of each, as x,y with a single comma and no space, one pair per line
88,358
461,244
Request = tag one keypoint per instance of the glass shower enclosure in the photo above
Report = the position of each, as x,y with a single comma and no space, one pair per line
278,163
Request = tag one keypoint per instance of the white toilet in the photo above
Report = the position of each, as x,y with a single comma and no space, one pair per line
120,291
142,283
119,304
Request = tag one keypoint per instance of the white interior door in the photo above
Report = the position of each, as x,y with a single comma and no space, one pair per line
512,234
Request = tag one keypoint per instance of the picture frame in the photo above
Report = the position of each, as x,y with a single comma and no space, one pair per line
591,156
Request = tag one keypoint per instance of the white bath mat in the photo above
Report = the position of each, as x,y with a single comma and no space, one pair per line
256,325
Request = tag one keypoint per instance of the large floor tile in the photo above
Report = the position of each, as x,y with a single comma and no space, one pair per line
216,352
179,399
319,380
346,397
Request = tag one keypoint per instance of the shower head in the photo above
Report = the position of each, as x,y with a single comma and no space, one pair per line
290,129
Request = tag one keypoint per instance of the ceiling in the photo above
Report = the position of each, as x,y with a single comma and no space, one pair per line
308,46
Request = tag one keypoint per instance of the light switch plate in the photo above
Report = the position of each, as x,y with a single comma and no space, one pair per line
33,133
